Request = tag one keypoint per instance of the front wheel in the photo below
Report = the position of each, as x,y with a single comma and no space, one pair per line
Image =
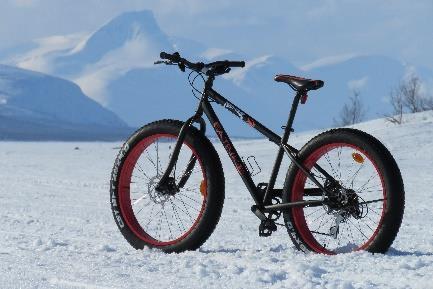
177,219
364,206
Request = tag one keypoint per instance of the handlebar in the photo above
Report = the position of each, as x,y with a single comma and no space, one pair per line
215,68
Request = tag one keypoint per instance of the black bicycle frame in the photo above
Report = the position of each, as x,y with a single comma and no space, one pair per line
260,200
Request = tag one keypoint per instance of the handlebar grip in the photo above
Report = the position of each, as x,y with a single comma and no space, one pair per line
237,63
175,57
165,55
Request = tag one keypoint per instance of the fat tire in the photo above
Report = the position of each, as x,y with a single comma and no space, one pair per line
214,178
393,182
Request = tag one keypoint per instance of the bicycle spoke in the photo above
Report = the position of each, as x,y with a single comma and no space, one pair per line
160,216
183,195
157,155
177,217
353,230
329,162
314,212
142,171
185,203
339,160
168,224
152,162
358,229
186,213
371,201
374,174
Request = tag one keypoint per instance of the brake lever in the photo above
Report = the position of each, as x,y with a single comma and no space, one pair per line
181,66
167,62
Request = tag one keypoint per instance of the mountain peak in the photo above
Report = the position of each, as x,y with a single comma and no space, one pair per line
144,17
127,27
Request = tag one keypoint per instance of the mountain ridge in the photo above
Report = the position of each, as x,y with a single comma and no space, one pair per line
34,105
121,77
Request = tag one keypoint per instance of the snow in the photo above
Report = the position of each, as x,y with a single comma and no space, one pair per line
57,230
135,53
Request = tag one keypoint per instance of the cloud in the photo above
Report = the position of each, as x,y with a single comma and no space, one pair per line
238,75
329,60
357,84
40,58
213,53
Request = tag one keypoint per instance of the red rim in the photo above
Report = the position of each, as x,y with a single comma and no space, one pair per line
125,203
297,195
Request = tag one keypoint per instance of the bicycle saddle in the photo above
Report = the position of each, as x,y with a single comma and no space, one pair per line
299,83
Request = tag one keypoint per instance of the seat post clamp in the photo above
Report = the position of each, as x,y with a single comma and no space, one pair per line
304,98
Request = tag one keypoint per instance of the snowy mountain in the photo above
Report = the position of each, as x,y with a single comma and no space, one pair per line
38,106
56,224
114,66
129,40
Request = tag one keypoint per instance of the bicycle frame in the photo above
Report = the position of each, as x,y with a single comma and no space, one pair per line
260,207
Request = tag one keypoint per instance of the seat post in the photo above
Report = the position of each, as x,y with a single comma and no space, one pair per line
288,129
291,118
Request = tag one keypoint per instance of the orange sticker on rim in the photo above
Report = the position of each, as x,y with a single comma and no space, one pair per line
203,188
357,157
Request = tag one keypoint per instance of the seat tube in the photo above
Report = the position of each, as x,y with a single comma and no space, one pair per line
280,153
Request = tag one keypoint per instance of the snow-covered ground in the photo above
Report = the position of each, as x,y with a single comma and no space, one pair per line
57,230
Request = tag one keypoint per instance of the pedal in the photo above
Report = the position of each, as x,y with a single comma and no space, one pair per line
267,227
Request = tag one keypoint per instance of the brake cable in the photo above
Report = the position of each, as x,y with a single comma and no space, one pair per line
191,83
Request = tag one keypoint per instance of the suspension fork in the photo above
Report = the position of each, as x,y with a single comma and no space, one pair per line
193,159
163,184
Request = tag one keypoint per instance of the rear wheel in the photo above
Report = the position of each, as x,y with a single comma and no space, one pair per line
178,219
365,206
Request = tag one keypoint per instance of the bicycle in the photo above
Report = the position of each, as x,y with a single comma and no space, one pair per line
343,190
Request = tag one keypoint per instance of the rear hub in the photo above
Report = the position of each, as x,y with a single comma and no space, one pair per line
344,202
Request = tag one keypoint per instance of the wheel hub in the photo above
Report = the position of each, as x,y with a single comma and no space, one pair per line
169,187
161,196
344,202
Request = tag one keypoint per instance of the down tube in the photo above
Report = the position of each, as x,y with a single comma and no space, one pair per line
231,151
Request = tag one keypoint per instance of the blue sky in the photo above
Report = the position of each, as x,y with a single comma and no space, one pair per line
303,32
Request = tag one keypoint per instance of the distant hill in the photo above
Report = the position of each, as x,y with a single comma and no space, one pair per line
35,106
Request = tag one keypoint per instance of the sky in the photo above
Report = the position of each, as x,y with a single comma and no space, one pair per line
306,33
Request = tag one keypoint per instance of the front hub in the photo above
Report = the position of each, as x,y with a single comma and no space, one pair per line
168,187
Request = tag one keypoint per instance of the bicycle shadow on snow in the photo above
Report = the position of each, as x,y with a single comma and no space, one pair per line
221,250
397,253
274,249
392,252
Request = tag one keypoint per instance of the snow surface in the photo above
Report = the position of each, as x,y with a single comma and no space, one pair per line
57,230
